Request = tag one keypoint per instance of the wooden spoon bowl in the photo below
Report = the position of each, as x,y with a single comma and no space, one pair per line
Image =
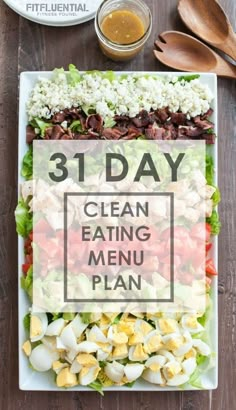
208,20
185,53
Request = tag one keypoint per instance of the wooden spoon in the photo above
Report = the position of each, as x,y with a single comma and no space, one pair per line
186,53
208,20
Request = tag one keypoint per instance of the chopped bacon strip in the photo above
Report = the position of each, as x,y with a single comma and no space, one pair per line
157,125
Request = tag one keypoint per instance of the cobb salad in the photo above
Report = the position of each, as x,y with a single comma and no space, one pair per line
105,349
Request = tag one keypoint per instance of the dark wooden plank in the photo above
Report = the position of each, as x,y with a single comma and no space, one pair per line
45,48
8,195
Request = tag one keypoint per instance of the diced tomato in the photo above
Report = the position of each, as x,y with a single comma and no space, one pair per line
201,231
208,246
25,268
210,267
43,226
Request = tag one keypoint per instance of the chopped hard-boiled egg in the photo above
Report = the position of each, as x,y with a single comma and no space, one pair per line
88,375
87,347
66,379
133,371
171,369
86,359
55,328
73,349
57,366
120,352
38,326
42,358
168,325
189,322
153,342
136,338
137,353
115,371
27,348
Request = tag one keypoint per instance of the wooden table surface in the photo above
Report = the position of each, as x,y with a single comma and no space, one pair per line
28,46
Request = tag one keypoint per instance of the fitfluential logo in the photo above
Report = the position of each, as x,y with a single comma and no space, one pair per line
56,7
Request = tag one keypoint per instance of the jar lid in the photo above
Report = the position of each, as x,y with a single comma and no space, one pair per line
56,12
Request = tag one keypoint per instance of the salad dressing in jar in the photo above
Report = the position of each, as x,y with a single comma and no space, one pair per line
123,27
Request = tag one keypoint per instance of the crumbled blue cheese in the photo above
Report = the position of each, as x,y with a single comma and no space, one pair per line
126,96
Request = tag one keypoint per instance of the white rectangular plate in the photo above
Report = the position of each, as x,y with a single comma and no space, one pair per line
30,380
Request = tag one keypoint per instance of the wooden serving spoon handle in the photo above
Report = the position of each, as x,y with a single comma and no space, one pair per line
224,68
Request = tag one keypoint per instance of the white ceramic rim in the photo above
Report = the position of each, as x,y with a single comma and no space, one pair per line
30,380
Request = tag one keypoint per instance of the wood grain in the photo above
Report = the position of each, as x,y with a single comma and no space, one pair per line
33,47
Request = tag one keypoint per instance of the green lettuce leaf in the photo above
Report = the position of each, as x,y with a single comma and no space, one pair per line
26,322
109,123
216,198
74,75
41,125
214,221
27,164
76,126
68,316
188,77
209,170
130,385
86,317
24,219
97,386
27,282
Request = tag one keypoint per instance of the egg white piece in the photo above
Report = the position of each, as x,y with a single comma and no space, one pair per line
71,354
75,367
96,335
158,359
88,375
59,344
103,355
68,337
78,325
171,369
186,346
87,347
55,328
194,327
202,347
178,380
133,371
38,326
50,342
134,357
189,365
42,358
166,354
152,377
115,371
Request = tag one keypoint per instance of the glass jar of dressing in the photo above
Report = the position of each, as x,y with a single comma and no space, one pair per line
123,27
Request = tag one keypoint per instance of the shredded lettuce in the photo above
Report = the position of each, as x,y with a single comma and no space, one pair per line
97,385
24,219
109,123
188,77
209,169
26,322
130,385
27,164
86,317
74,75
117,319
68,316
76,126
41,125
214,221
27,282
216,198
